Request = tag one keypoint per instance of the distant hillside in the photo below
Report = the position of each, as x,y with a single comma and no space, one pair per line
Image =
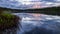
49,10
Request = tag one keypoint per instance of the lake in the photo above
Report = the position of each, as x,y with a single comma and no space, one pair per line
33,23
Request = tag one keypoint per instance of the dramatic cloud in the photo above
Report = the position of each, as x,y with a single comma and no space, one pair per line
24,4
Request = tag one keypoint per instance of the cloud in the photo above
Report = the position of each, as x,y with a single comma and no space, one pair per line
18,4
52,4
57,0
48,0
45,3
49,4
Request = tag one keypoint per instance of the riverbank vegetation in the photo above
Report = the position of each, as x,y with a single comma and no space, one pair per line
7,20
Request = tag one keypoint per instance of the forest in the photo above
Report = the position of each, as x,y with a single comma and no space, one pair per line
48,10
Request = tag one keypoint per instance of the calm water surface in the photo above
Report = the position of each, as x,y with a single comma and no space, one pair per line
31,20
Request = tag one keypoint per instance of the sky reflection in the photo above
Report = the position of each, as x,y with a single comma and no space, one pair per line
32,20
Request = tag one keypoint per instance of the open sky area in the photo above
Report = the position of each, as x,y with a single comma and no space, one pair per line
24,4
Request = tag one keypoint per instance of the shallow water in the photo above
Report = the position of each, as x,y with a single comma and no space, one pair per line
31,21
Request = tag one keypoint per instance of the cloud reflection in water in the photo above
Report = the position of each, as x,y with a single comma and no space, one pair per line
31,21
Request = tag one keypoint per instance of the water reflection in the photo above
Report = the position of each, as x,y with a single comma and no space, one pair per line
35,22
9,31
43,22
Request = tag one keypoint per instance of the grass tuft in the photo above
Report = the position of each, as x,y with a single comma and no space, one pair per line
8,20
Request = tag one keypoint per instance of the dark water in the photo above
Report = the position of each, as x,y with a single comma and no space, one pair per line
36,24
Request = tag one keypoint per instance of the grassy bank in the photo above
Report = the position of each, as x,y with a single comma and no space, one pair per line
8,20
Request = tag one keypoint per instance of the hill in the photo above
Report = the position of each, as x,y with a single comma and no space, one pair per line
48,10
